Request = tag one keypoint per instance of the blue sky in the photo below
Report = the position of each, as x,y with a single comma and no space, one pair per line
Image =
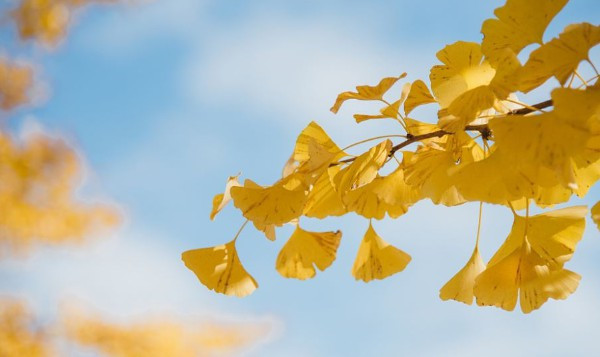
165,99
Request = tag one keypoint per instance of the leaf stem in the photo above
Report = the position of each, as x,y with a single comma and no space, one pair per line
479,224
483,129
373,138
524,105
240,230
594,68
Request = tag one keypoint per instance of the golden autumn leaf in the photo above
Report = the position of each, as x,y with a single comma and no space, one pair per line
388,112
418,95
219,269
305,250
313,133
377,259
391,111
429,169
222,199
531,261
559,57
15,82
463,69
323,200
273,205
460,287
385,194
367,92
518,24
363,169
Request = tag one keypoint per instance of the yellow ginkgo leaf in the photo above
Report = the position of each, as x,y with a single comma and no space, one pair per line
419,94
323,200
463,69
367,92
222,199
315,135
388,194
430,167
531,261
554,235
273,205
466,107
560,56
596,214
415,127
219,269
460,287
305,250
377,259
363,169
518,24
391,111
15,82
388,112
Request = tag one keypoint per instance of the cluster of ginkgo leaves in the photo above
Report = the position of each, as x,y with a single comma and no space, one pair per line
486,146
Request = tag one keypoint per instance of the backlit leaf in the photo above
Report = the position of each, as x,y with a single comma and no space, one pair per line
367,92
219,269
377,259
305,250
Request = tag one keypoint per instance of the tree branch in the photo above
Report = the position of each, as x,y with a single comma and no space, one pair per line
483,129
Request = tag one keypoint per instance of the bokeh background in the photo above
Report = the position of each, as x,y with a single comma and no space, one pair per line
166,99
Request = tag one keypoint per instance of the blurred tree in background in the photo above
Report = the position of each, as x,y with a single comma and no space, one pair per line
39,177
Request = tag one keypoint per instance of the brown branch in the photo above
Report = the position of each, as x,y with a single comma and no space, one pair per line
482,128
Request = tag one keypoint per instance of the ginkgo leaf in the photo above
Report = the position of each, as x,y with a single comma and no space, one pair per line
388,112
429,169
305,250
367,92
323,200
419,95
460,287
222,199
313,133
463,69
518,24
467,106
560,56
377,259
219,269
15,83
275,204
596,214
363,169
391,111
531,261
415,127
388,194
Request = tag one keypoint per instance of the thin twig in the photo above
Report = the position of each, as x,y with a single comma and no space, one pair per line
482,128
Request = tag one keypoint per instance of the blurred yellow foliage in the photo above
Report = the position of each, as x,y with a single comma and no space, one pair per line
46,20
15,82
158,337
37,182
18,335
